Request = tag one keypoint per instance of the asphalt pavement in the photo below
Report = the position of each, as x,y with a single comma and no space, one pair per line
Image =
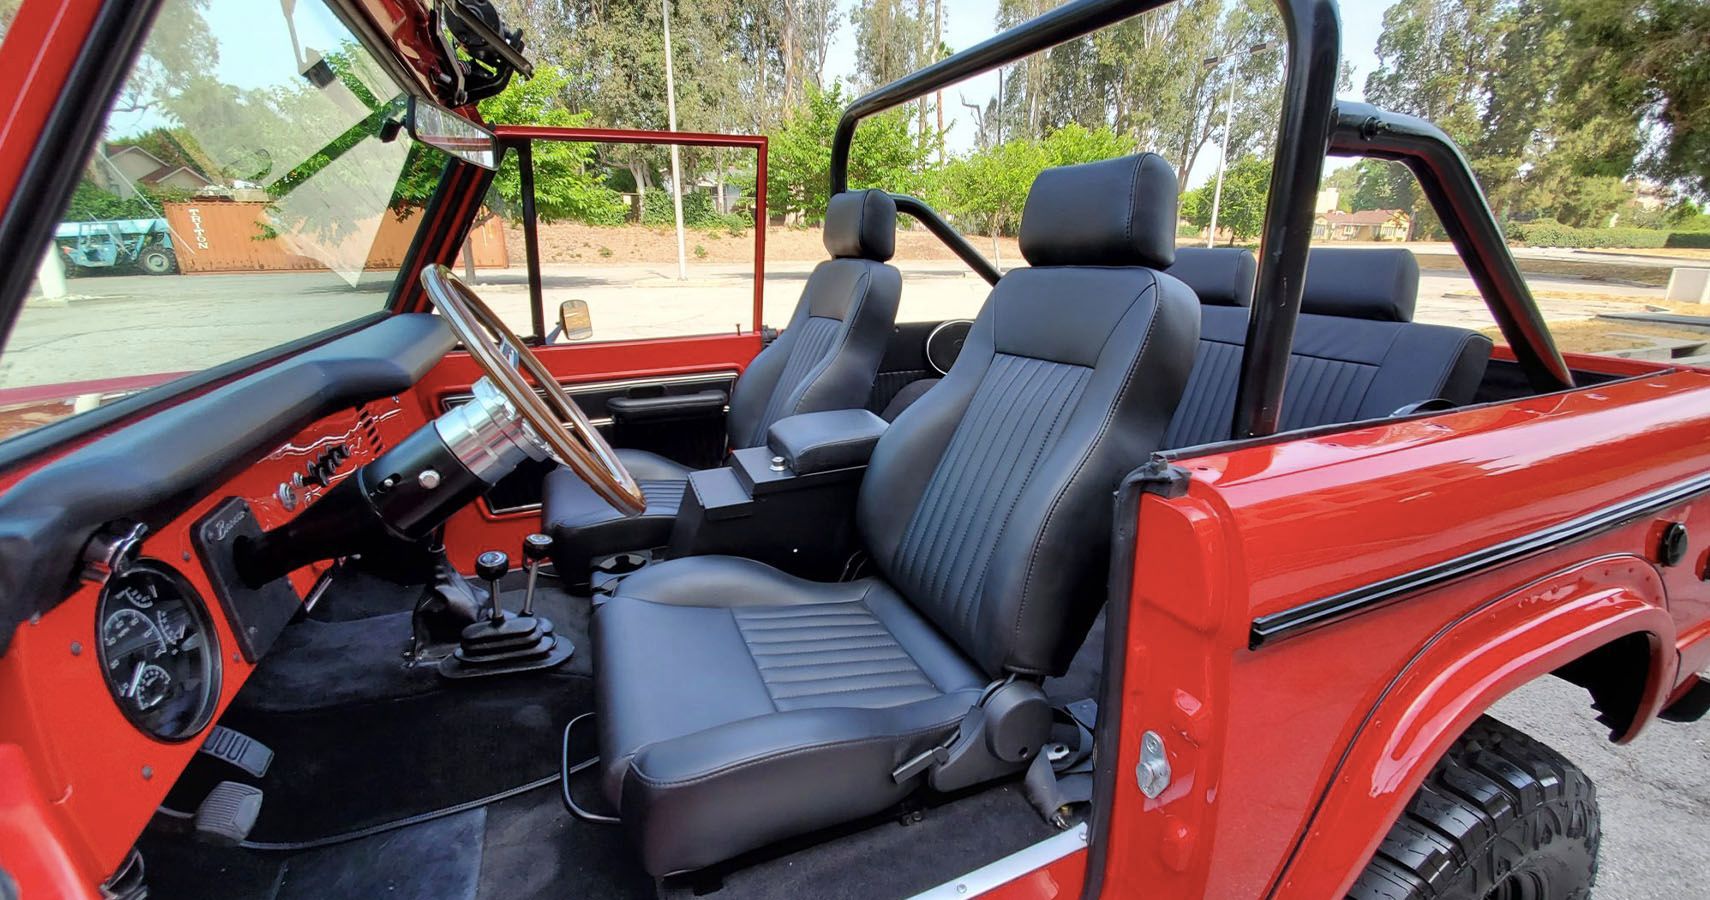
1654,793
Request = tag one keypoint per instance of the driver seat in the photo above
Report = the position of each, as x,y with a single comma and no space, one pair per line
739,705
825,358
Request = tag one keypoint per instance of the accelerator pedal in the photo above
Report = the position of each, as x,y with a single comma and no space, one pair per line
228,813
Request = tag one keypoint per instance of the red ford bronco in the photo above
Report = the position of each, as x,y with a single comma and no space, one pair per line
1176,573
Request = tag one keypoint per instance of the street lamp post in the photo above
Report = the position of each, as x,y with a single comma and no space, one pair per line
1228,122
676,156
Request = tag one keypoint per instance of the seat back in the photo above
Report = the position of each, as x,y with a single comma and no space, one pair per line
987,503
829,353
1357,353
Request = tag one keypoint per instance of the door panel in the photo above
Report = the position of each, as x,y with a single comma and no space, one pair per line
593,373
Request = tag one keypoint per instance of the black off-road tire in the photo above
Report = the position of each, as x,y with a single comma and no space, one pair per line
1501,817
157,260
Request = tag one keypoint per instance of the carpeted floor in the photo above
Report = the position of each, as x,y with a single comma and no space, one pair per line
363,739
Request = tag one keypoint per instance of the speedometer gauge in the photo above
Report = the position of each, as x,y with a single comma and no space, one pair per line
158,652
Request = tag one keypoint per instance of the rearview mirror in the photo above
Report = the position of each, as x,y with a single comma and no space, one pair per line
575,322
450,132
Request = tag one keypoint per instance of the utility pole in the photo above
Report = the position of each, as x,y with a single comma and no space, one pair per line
1228,120
676,152
1222,163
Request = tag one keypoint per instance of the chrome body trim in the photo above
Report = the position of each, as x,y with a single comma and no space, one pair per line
1011,867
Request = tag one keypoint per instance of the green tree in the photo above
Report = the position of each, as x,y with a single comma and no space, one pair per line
1241,210
798,163
569,183
1646,64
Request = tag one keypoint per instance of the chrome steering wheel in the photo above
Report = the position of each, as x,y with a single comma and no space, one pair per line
548,413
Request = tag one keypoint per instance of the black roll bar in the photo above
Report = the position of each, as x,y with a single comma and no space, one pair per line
1309,93
1448,182
926,215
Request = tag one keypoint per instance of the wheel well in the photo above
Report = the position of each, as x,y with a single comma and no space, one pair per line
1614,675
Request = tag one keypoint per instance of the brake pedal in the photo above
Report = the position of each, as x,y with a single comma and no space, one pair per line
239,749
228,813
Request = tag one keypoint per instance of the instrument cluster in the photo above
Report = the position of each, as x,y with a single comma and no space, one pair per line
159,655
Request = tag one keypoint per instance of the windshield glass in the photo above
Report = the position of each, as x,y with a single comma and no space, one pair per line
246,191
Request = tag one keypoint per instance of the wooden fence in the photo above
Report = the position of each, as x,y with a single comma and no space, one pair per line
231,236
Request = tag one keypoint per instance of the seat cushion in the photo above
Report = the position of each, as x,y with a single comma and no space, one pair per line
584,526
740,705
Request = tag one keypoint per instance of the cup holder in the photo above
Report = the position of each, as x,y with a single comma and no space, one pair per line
621,564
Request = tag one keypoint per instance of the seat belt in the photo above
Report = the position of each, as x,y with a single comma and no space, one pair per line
1060,778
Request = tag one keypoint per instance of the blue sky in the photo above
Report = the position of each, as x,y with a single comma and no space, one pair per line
970,21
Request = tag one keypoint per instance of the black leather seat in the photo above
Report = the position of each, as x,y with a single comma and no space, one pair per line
1219,275
825,358
1357,352
740,705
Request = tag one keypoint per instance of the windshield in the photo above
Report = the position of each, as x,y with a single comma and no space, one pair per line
245,191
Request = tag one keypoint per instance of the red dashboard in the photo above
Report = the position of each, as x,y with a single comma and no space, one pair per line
97,778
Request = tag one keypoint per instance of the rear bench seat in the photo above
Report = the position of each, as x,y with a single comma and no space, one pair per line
1357,353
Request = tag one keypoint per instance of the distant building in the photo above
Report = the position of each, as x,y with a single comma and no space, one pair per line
135,166
1364,225
1328,199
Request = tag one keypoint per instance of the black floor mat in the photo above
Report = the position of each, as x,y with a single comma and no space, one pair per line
888,859
359,738
437,860
537,850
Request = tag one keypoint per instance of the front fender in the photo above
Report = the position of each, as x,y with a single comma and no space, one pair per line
1453,679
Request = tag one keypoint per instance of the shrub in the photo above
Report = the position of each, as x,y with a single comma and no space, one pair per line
1555,234
698,212
1696,240
700,252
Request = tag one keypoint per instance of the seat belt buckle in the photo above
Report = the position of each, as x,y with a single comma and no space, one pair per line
920,763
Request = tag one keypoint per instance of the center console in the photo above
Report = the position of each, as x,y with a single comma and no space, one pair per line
790,503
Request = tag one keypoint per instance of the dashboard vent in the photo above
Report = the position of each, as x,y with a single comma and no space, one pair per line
370,429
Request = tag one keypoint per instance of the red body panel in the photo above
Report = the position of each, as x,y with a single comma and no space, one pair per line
99,778
1346,720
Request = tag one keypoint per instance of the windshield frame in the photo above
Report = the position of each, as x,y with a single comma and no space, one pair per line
82,55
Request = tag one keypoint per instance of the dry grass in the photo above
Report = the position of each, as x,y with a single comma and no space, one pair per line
1608,335
1653,276
1698,254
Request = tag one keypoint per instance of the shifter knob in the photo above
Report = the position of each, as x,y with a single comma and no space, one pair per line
492,565
535,547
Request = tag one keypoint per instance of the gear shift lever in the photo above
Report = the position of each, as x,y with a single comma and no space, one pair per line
507,642
491,567
535,548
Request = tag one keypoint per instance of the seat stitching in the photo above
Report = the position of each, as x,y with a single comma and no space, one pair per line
1110,415
635,769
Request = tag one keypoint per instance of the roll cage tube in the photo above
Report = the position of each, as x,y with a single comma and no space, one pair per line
1448,182
1303,135
926,215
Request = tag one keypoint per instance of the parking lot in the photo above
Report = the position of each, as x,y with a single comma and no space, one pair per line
111,325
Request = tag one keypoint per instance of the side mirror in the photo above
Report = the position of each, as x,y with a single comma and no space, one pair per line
575,322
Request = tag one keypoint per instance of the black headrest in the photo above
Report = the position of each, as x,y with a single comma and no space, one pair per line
1361,284
861,224
1221,276
1118,212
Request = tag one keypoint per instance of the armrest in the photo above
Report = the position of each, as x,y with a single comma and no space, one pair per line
822,441
667,407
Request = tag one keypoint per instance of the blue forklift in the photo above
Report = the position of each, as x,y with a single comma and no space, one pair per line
143,245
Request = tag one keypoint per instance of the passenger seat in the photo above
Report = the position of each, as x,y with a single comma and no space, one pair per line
1357,352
